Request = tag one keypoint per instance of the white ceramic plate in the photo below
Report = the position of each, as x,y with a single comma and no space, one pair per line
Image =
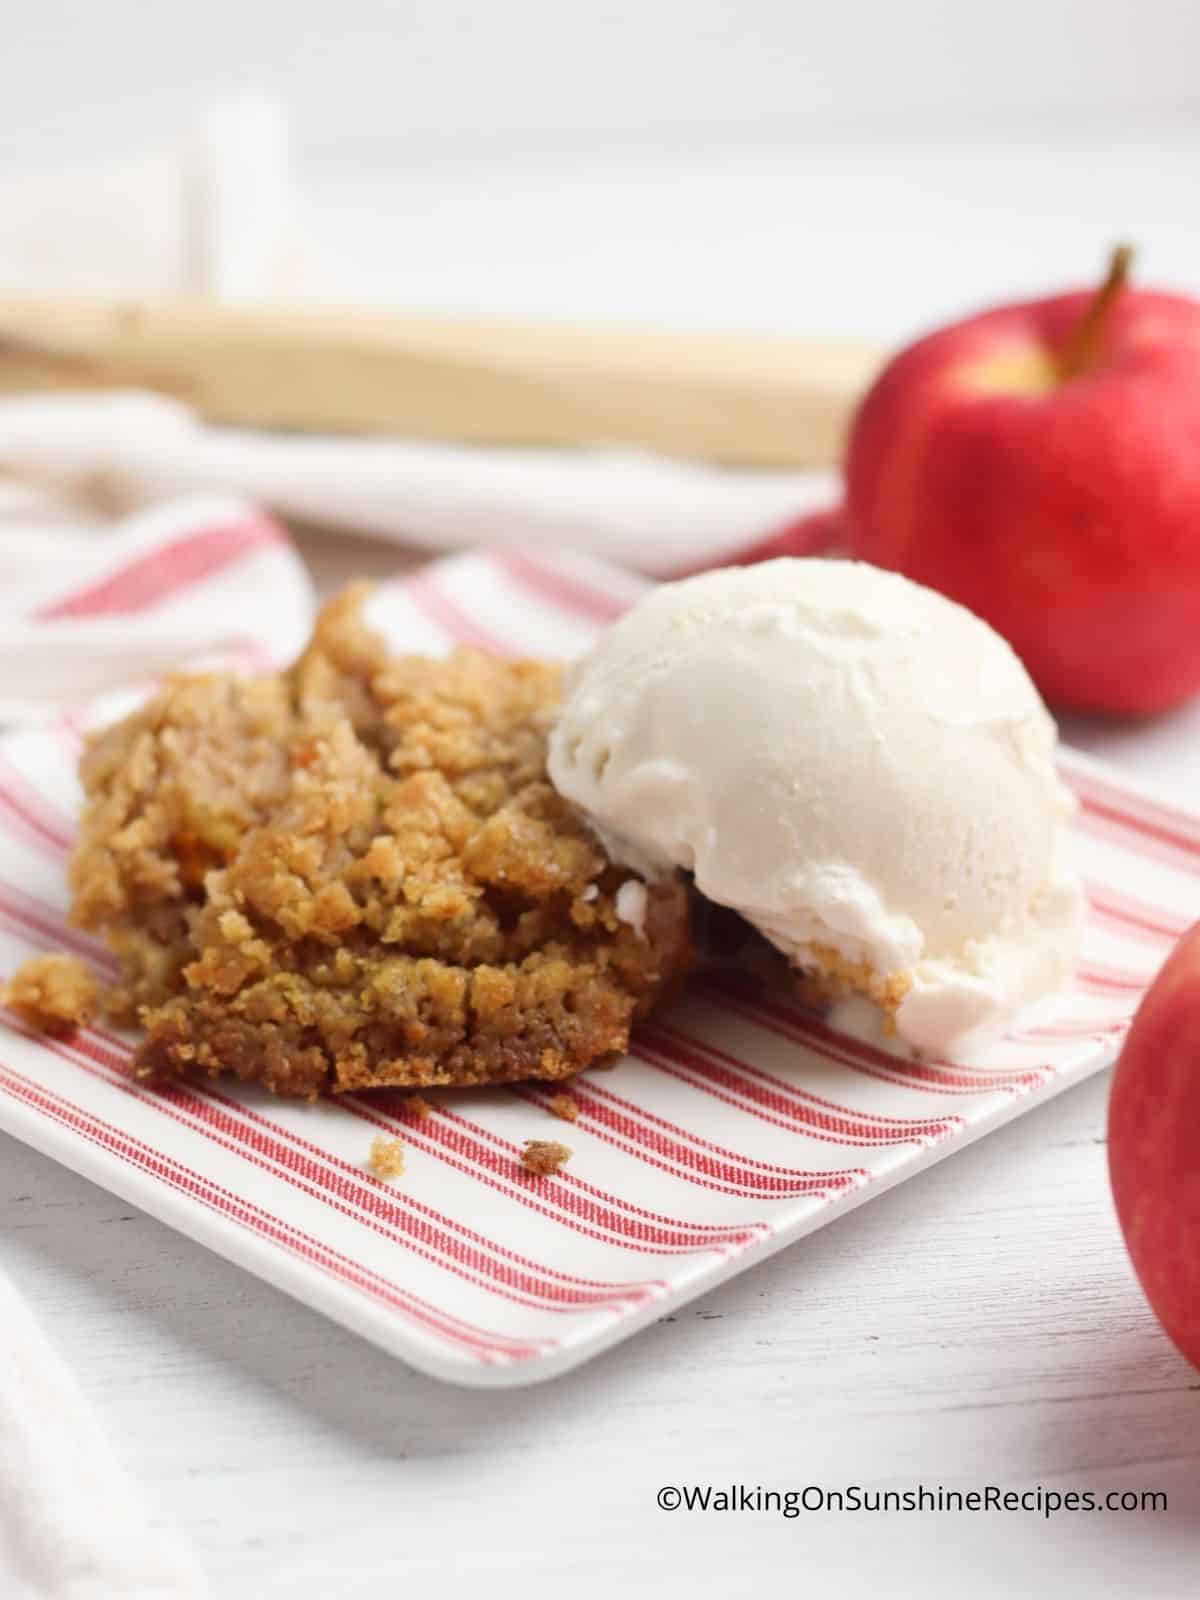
734,1128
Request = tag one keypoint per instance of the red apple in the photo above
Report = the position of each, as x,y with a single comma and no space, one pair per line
1040,463
1154,1144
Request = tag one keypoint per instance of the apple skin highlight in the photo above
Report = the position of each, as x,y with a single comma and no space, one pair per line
1154,1145
1063,508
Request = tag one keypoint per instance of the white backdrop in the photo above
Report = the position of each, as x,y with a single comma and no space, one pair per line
410,79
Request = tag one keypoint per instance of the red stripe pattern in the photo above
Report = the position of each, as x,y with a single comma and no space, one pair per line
738,1123
164,573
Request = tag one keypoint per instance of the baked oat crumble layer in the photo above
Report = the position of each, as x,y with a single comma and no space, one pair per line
356,874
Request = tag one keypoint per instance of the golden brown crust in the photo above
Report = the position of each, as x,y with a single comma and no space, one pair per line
53,993
563,1107
357,875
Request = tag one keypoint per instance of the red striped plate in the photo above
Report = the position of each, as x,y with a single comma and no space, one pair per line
734,1128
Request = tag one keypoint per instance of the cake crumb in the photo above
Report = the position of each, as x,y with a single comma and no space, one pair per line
418,1108
544,1156
53,993
387,1158
564,1106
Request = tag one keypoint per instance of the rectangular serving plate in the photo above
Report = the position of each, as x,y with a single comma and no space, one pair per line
737,1124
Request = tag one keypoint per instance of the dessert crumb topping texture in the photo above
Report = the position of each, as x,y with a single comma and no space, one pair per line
386,1160
356,874
53,993
544,1156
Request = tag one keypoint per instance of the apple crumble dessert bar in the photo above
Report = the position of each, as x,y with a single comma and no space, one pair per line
356,874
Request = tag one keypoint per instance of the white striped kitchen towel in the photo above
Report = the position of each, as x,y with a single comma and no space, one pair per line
71,1526
88,604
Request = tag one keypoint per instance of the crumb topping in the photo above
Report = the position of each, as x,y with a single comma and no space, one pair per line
356,874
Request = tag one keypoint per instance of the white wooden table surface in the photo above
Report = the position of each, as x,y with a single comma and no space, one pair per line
978,1326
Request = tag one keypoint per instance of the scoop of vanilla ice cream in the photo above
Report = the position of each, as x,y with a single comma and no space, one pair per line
857,765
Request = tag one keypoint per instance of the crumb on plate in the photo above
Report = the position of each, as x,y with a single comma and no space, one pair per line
563,1106
544,1156
387,1158
53,993
418,1107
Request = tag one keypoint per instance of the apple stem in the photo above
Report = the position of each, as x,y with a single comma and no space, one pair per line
1083,343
